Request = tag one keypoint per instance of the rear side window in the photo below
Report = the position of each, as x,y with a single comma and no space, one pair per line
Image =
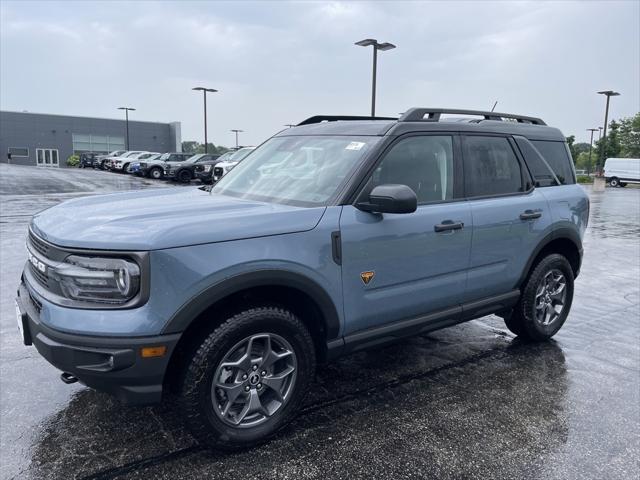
541,172
557,156
490,167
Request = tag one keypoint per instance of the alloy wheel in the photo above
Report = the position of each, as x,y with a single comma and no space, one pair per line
550,297
254,380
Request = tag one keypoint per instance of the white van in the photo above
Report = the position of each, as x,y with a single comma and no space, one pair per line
620,171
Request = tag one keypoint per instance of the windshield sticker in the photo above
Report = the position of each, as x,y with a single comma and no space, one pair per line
354,146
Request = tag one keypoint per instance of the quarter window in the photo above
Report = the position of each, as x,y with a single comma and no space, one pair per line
423,163
490,167
557,156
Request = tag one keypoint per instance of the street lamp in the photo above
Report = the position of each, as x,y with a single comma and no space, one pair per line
204,92
609,94
126,116
590,147
371,42
236,132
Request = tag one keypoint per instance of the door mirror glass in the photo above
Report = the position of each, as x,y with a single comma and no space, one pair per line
390,198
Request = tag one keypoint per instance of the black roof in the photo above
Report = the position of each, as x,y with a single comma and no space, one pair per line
427,120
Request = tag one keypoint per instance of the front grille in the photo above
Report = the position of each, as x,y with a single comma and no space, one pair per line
218,171
38,244
42,278
199,168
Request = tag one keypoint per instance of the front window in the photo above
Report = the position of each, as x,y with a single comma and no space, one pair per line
296,170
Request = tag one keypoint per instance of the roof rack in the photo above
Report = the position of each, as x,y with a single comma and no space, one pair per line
335,118
433,115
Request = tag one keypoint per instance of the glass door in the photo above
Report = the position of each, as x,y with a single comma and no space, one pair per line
47,157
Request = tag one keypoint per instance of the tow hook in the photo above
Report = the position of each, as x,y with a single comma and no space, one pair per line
68,378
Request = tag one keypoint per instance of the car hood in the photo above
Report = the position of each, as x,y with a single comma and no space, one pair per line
166,218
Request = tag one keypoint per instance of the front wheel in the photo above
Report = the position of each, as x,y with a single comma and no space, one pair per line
184,176
545,301
248,378
155,173
614,182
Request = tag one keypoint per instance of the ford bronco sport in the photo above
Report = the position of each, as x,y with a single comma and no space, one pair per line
337,235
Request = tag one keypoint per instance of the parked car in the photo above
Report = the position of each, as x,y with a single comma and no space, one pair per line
155,168
123,164
396,227
222,168
204,170
620,171
111,161
134,167
88,160
102,159
185,171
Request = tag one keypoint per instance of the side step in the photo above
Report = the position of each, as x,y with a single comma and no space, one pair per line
68,378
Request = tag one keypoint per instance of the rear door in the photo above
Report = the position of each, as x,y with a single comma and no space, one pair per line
510,218
399,266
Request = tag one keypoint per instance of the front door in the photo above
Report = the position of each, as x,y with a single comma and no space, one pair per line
47,157
397,266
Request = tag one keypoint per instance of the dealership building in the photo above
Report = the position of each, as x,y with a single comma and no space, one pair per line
47,140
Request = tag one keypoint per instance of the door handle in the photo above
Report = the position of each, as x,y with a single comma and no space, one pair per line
530,214
448,225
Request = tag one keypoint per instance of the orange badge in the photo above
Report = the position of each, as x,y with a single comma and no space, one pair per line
367,277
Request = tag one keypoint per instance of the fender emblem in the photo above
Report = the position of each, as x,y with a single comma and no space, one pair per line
367,277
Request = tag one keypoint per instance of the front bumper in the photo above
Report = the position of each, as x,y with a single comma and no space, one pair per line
109,364
205,177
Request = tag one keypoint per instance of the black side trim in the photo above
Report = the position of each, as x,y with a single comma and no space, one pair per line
560,233
198,304
336,248
422,324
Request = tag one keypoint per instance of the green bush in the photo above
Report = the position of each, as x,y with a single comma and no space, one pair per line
73,161
585,179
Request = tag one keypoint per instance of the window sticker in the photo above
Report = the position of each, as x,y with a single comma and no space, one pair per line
354,146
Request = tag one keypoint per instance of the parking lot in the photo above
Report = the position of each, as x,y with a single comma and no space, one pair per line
470,401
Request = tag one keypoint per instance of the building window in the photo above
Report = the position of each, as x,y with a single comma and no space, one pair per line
18,152
96,143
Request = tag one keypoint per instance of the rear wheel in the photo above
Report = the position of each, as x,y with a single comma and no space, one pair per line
155,173
614,182
545,301
248,378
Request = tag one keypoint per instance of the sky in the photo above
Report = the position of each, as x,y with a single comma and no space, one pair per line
276,63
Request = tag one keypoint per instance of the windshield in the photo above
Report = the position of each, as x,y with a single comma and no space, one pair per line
297,170
240,154
195,158
225,156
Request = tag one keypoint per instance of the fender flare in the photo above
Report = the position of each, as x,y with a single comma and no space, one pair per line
260,278
559,234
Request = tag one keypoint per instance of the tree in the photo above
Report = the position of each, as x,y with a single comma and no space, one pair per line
629,137
191,146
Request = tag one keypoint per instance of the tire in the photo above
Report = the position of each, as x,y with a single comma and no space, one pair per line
530,319
228,343
155,173
125,168
184,176
614,182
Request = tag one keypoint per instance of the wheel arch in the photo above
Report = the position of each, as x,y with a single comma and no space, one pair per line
302,295
564,241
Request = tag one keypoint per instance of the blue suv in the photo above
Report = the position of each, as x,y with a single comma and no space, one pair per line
340,234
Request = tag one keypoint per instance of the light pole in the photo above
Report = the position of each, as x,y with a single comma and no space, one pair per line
204,91
590,148
237,132
371,42
609,94
126,121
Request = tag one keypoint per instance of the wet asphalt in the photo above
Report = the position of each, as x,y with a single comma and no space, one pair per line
471,401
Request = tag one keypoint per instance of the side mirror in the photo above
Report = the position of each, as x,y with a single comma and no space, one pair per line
390,199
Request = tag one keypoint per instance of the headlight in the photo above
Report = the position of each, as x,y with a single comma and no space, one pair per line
98,279
207,168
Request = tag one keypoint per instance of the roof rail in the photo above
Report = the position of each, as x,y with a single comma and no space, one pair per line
335,118
433,115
